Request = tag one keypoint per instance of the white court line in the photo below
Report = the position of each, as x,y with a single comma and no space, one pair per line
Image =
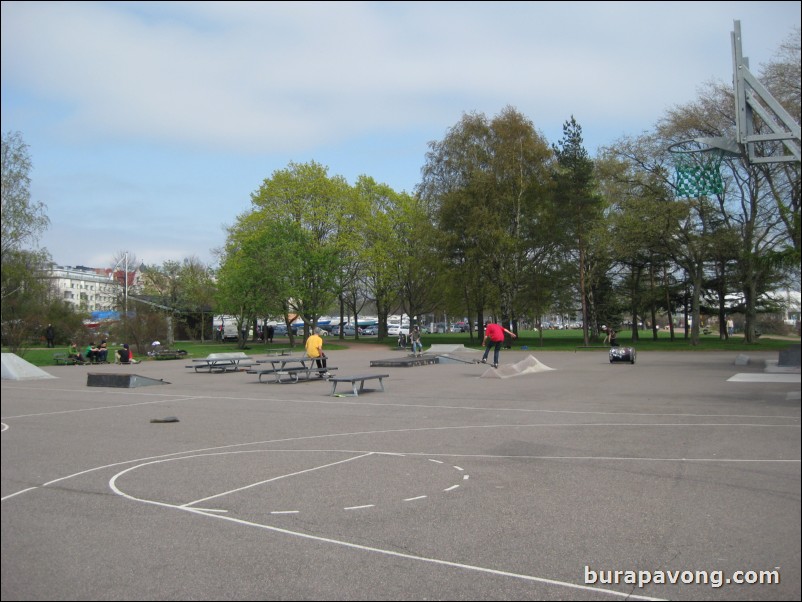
627,595
284,476
759,377
425,406
125,405
442,428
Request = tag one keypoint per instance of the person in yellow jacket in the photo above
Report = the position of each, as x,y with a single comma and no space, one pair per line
314,350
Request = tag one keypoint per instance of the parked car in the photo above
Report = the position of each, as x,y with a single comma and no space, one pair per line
395,329
371,330
280,330
348,330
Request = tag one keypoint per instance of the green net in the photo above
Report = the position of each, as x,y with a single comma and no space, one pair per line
698,174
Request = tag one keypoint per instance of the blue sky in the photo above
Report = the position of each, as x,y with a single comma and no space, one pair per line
150,124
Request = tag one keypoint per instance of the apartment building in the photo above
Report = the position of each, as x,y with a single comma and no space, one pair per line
92,289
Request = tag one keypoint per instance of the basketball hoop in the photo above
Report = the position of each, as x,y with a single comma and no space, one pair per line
697,162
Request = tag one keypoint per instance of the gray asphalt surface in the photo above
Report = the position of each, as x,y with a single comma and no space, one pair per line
446,486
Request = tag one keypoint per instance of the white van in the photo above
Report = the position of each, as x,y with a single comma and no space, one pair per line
225,328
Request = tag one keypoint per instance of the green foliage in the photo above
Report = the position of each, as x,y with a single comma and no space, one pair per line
25,297
487,182
283,257
23,220
552,340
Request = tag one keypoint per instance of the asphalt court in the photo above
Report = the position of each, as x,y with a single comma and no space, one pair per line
448,486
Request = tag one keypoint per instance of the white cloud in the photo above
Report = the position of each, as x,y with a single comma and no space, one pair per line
144,95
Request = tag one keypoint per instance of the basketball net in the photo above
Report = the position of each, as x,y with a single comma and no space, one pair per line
698,174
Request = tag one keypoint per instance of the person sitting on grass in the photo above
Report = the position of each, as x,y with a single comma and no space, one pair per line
123,356
74,354
90,354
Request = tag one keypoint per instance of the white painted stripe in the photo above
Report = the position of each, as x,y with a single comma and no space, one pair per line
626,595
451,488
284,476
359,507
117,407
760,377
9,496
436,461
458,468
465,477
285,512
412,499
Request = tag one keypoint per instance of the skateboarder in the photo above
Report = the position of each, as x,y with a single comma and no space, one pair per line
494,336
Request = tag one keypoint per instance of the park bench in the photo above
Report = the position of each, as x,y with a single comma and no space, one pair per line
62,359
354,380
167,354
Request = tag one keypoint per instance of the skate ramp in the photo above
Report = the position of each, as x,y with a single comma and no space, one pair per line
123,381
528,365
16,368
450,349
454,354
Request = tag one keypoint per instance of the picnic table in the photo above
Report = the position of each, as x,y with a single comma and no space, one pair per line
291,366
361,378
222,362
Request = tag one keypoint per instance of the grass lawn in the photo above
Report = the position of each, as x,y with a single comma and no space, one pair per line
552,340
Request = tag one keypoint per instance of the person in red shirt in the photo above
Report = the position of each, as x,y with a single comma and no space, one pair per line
494,337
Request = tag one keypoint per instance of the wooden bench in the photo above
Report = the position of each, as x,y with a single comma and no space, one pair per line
356,379
62,359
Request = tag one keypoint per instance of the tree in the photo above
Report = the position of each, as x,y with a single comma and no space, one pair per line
376,216
413,257
485,183
25,298
23,291
196,293
581,206
23,220
305,195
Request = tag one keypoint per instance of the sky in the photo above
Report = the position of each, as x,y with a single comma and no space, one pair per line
151,124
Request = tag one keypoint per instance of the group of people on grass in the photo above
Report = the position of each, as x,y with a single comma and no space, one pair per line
98,354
